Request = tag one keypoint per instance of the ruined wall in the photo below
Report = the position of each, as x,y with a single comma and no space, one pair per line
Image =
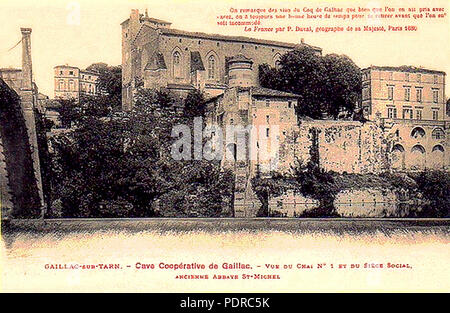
341,146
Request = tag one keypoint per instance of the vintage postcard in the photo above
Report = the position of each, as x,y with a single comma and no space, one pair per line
224,146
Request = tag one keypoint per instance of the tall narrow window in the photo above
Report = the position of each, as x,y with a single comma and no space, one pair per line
419,114
435,79
419,78
435,95
71,85
390,112
390,92
61,85
419,94
176,64
211,67
407,113
435,115
407,93
407,77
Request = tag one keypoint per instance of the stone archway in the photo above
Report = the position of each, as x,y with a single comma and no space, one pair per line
417,157
398,157
437,157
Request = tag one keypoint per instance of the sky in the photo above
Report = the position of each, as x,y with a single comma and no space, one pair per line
82,32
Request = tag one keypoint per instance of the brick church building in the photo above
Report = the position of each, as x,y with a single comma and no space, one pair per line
155,55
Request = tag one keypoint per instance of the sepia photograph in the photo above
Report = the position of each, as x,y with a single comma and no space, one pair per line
224,147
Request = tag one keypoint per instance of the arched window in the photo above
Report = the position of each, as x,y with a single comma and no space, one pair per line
398,157
438,133
418,132
418,149
211,67
398,148
438,148
276,60
61,85
176,64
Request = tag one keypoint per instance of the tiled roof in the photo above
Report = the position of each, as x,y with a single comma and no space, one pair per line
156,62
196,62
239,58
260,91
177,32
405,68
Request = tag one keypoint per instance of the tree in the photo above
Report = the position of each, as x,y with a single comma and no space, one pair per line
109,82
119,164
327,86
342,86
194,104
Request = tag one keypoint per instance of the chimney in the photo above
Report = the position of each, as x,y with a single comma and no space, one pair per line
135,22
27,72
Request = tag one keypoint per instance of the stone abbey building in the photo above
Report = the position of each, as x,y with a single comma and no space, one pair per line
407,127
155,55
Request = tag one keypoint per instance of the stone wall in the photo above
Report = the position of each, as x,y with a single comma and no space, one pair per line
19,174
340,146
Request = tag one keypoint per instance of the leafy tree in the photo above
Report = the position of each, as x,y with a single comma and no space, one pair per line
109,82
194,104
342,86
69,111
119,164
435,187
326,85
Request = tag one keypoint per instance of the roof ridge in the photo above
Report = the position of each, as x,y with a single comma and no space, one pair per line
236,38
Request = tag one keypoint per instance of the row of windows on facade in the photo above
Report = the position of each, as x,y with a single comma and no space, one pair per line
212,71
390,94
398,148
177,66
366,76
71,73
419,132
408,113
418,94
71,86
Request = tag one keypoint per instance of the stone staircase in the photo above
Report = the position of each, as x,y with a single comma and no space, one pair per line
246,204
